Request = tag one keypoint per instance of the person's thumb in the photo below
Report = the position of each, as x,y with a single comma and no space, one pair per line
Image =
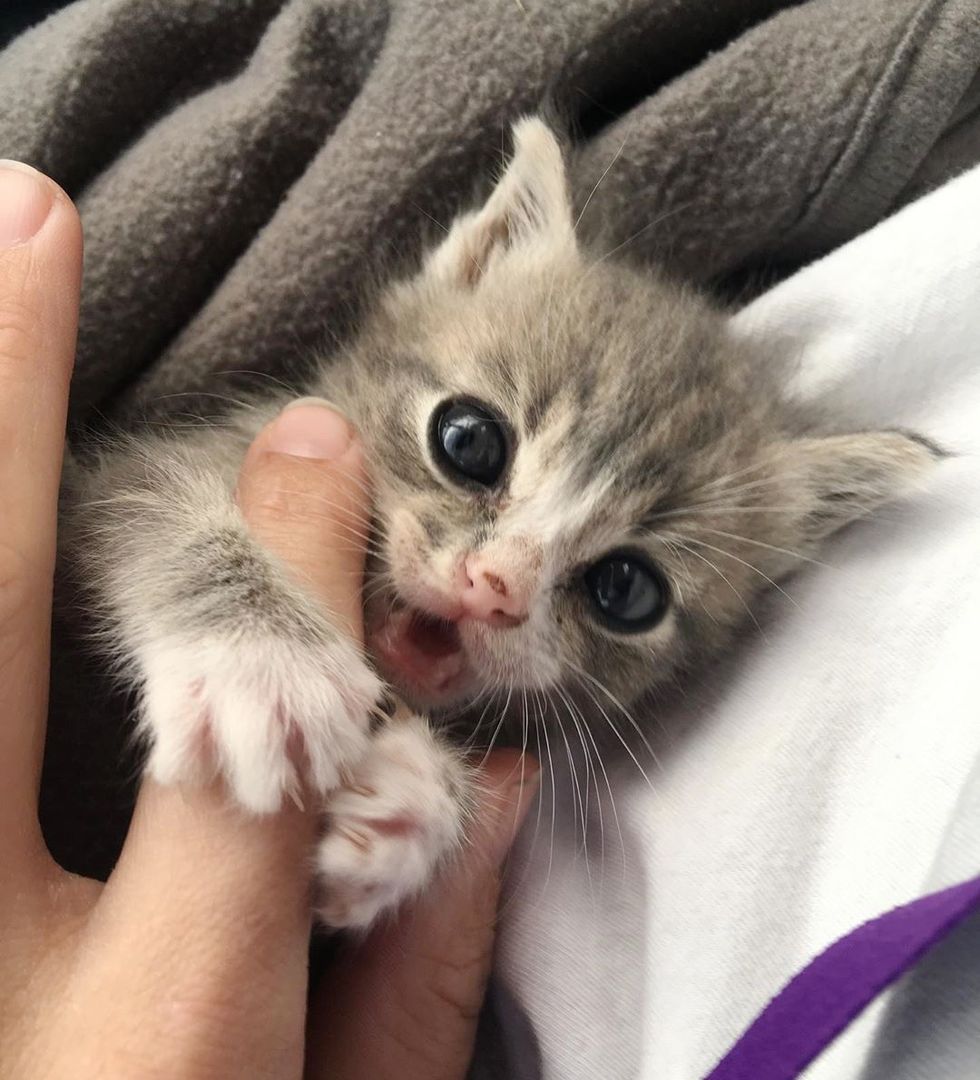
303,492
405,1002
213,901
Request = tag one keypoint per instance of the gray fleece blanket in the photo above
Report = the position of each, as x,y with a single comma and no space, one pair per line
243,166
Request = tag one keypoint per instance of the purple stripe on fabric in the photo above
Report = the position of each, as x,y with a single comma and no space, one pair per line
819,1002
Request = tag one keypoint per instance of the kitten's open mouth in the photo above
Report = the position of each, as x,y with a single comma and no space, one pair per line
420,653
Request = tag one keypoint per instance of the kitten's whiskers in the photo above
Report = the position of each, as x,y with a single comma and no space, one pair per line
748,565
724,578
605,173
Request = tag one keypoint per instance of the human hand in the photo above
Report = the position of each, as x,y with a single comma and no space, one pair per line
192,960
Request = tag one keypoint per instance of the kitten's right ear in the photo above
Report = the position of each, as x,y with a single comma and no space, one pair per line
529,209
838,478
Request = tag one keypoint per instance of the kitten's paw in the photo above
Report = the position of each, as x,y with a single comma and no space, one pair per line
399,815
261,712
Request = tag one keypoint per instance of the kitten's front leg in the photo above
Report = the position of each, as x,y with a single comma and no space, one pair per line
397,819
240,671
262,707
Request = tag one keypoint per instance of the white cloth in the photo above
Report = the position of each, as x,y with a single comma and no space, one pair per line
834,771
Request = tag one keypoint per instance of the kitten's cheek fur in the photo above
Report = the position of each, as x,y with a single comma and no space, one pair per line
271,717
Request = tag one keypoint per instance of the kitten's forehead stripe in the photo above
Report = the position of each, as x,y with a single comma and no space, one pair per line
536,410
557,508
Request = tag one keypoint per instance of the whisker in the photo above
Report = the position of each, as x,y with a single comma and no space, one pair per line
658,220
543,726
497,729
589,768
728,554
515,885
207,394
712,508
577,801
605,777
769,547
487,692
683,565
726,580
723,481
425,213
628,715
264,374
605,173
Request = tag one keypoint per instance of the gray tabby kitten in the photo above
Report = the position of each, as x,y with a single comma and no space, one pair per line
581,483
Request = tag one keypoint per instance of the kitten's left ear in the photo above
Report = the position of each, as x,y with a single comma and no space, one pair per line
529,210
839,478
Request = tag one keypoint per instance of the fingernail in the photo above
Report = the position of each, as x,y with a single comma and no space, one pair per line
26,198
310,428
310,401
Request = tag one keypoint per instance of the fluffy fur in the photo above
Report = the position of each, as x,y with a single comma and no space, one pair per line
633,420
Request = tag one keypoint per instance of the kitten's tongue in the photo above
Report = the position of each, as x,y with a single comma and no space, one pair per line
423,651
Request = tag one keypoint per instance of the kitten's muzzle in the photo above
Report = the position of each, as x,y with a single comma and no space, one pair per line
490,594
421,654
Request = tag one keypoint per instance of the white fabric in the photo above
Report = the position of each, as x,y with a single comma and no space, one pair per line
835,770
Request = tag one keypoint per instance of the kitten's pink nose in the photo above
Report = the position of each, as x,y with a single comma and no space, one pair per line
487,594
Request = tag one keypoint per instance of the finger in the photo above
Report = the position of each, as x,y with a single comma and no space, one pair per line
303,494
303,491
300,488
223,896
40,268
202,932
405,1003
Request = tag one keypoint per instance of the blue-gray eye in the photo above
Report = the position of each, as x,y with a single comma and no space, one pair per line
469,442
627,592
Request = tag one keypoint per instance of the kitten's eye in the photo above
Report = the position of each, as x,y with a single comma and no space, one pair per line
627,592
468,441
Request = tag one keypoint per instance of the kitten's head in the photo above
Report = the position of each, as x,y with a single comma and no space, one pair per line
582,481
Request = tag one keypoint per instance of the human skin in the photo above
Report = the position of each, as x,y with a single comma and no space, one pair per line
191,960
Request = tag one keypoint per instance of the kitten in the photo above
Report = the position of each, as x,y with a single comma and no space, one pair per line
581,483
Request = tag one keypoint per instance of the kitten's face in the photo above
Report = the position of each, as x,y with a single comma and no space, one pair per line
581,482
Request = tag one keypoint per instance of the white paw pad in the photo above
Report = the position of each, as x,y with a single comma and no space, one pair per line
259,712
389,827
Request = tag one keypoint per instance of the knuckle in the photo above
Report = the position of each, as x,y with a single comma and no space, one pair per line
297,501
14,575
436,1024
18,306
15,596
288,490
456,1001
285,503
456,983
18,333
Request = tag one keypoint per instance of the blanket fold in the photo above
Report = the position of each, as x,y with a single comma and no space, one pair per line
242,167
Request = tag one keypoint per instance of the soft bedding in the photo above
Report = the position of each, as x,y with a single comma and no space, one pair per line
832,770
